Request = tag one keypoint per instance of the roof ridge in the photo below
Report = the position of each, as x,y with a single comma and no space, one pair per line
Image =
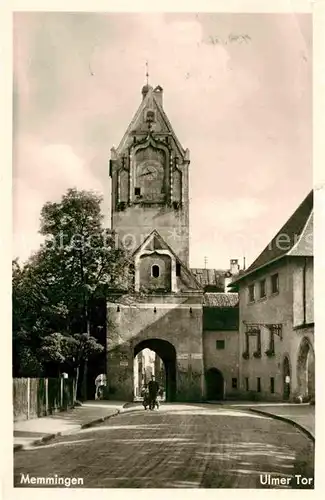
293,228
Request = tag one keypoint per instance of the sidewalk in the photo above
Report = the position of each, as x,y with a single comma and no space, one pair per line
300,415
34,431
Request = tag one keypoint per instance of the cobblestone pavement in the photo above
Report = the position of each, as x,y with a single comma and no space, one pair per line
179,446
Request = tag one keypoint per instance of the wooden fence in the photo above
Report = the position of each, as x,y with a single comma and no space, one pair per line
37,397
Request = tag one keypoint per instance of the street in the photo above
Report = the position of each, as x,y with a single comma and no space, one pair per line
178,446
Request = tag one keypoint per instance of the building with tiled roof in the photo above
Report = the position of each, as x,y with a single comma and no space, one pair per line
276,316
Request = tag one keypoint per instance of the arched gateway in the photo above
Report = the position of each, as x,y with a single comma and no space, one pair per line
306,369
166,351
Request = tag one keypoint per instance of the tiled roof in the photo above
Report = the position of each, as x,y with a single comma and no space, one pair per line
220,300
304,246
294,238
210,277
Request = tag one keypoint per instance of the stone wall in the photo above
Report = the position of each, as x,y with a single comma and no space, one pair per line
226,360
273,309
278,308
175,319
136,222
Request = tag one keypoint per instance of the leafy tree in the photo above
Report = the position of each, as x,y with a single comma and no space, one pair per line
81,259
70,350
55,290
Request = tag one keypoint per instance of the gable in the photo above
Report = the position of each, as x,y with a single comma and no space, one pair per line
155,244
304,246
160,126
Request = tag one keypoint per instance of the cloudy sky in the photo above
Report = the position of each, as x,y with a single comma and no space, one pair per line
237,90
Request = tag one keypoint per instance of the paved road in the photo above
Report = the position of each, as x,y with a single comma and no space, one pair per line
179,446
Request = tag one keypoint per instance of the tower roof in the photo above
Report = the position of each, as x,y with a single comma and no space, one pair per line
151,101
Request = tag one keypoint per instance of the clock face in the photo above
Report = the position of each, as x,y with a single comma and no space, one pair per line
150,179
149,172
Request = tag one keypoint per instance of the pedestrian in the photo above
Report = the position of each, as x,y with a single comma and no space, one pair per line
145,395
153,387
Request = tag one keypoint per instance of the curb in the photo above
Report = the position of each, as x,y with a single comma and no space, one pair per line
287,420
49,437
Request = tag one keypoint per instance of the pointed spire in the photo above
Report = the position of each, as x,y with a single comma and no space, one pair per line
147,87
147,73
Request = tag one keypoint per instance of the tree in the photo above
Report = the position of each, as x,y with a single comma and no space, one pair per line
35,315
70,350
83,259
78,263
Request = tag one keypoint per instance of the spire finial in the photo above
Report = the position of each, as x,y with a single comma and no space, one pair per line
147,72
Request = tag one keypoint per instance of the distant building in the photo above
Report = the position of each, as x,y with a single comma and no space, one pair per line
276,313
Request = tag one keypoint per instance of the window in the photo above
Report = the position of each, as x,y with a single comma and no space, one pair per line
272,385
275,283
246,384
155,271
178,269
234,383
262,289
150,116
137,191
220,344
258,384
251,293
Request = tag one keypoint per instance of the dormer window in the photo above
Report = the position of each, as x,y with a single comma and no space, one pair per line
155,271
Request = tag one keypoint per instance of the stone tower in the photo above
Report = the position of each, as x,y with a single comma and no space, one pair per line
150,216
149,172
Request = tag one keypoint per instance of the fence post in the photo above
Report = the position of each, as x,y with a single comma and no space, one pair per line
28,398
61,393
46,396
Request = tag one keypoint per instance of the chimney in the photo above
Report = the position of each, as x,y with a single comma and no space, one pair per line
228,280
234,266
158,93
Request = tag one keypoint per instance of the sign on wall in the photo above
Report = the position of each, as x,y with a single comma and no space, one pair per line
183,356
190,356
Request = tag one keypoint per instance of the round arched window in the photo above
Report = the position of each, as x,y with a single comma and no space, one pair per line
155,271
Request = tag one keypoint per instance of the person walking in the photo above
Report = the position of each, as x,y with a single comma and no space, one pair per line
153,388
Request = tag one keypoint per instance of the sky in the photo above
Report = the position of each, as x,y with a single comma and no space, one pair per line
237,90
